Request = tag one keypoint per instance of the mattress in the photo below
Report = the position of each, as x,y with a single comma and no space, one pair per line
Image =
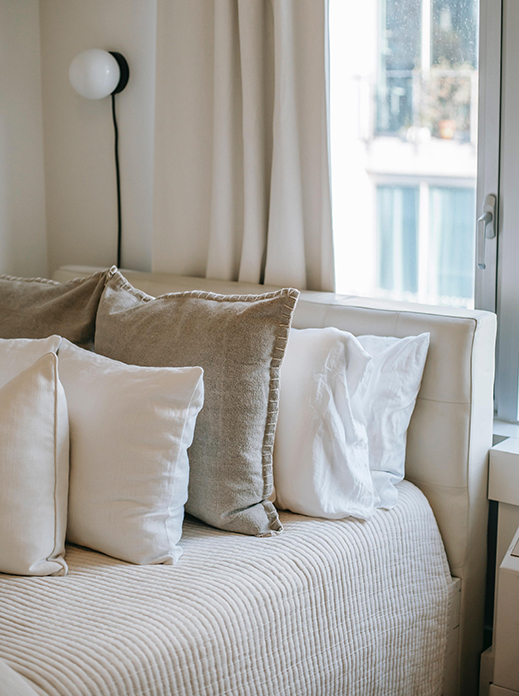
325,608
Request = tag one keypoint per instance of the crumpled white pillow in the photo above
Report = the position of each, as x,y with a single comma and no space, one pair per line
321,458
388,404
345,406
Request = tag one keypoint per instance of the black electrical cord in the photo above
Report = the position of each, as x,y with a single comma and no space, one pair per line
118,181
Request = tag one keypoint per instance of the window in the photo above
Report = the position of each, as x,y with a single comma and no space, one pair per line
406,80
404,91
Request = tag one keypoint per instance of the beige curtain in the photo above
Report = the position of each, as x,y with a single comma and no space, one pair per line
242,189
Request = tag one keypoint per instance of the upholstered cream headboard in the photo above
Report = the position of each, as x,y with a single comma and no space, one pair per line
451,429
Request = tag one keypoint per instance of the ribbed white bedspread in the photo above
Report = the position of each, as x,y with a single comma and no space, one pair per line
326,608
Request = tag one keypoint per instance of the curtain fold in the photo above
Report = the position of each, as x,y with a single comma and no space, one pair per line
242,189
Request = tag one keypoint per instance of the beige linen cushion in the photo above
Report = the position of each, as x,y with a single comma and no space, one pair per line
130,428
36,308
34,465
239,340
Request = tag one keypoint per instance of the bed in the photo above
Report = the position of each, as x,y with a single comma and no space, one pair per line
388,606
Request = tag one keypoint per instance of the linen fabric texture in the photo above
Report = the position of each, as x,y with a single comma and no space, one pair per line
130,428
239,340
345,407
34,461
37,308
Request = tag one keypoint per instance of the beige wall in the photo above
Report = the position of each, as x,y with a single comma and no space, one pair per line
22,205
78,133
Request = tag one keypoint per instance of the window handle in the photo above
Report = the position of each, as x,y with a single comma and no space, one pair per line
485,228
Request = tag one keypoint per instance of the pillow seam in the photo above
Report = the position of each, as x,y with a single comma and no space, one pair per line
278,352
174,467
49,281
52,558
291,293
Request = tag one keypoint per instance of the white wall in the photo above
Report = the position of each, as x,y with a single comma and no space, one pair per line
78,133
22,204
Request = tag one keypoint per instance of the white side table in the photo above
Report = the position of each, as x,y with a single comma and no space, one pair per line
503,487
506,636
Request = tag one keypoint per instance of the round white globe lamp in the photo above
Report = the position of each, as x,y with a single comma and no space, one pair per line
95,73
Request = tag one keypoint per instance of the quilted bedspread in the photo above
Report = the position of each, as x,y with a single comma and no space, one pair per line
326,608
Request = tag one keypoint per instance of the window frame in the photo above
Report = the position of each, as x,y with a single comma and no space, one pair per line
489,141
507,359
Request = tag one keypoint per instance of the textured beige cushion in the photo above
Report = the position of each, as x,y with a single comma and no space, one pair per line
130,428
34,464
239,340
36,308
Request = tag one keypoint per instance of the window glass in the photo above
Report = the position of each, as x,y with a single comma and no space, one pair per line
454,32
398,56
397,222
452,229
403,147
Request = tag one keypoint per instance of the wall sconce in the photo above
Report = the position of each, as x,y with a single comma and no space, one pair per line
96,74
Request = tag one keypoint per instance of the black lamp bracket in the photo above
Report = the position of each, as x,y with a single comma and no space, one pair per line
125,71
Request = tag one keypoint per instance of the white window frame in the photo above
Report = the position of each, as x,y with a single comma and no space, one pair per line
507,301
489,127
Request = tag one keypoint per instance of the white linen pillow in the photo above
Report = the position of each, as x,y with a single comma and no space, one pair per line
388,404
337,421
321,458
34,465
17,354
130,428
